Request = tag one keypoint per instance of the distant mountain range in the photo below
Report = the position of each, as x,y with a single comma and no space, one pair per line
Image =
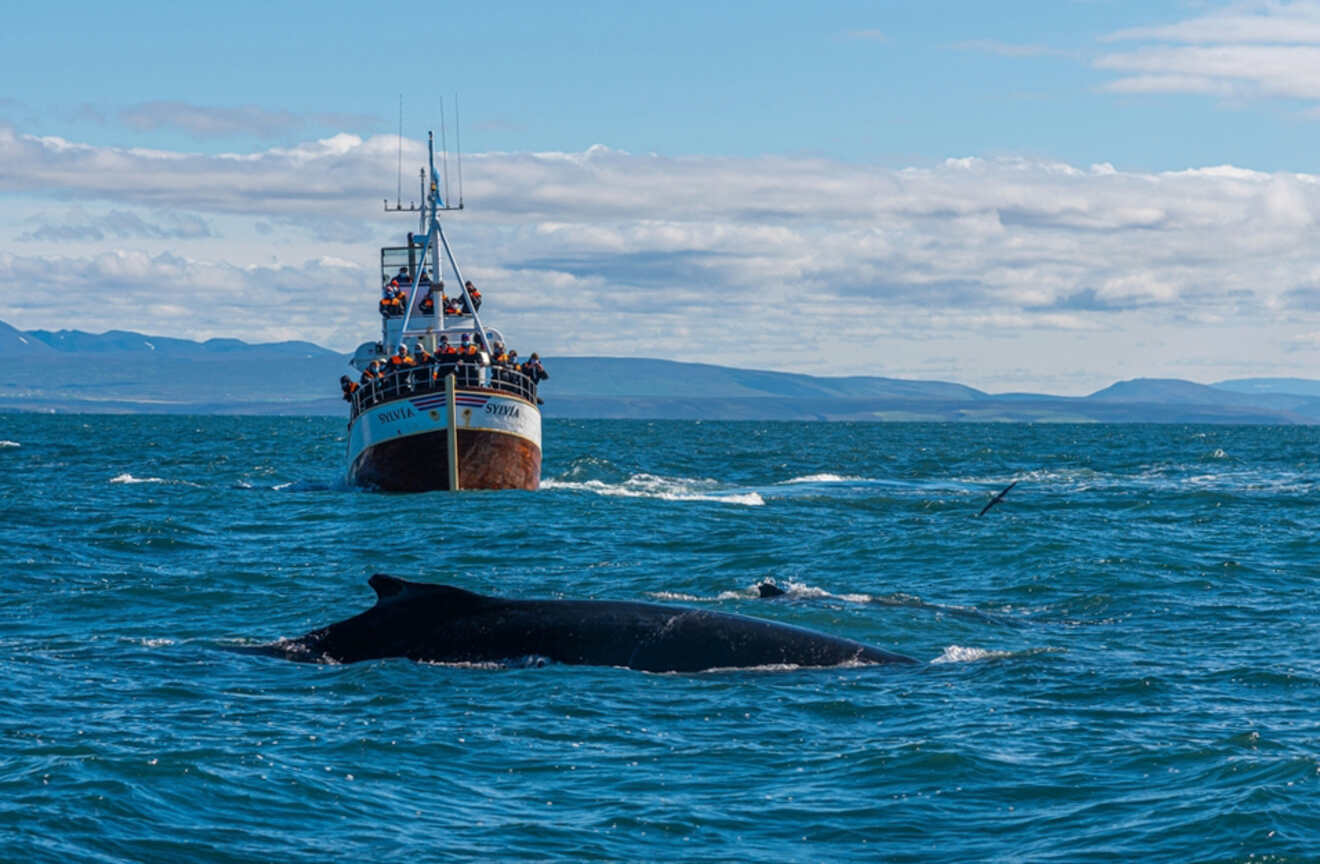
119,371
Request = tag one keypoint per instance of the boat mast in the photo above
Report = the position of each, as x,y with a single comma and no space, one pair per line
435,241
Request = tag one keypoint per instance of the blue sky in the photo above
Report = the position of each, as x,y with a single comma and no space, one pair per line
1023,195
889,83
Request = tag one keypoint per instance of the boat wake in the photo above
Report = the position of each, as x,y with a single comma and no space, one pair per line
663,488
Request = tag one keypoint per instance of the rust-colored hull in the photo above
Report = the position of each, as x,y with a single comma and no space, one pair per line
420,463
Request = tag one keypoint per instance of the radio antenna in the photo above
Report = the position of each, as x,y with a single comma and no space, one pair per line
398,195
458,143
444,149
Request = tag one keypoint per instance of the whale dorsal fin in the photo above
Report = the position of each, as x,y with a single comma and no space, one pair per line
388,587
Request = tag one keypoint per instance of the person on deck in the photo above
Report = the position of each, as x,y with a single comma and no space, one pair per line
421,354
536,372
370,376
401,360
427,306
348,386
474,294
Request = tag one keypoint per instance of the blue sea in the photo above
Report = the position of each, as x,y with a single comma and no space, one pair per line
1119,659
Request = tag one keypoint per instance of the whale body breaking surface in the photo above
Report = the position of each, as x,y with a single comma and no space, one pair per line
444,624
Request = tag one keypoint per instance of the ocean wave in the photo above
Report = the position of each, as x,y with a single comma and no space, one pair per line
7,444
664,488
147,642
1164,477
131,480
680,596
297,486
795,591
825,478
529,661
969,654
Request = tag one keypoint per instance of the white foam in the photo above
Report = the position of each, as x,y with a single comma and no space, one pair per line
10,444
678,595
797,589
664,488
791,589
962,654
129,478
825,478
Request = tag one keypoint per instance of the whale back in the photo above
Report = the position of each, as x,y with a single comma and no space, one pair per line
442,623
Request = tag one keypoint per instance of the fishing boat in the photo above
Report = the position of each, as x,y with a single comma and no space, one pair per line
438,406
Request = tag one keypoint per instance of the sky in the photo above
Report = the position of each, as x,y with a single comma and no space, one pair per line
1036,196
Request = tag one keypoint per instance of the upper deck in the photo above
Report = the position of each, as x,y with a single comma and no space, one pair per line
415,303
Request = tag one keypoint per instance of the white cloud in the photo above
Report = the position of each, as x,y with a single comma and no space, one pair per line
1240,52
1247,23
77,222
714,259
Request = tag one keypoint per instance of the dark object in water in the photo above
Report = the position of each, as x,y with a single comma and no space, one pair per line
770,589
995,500
441,623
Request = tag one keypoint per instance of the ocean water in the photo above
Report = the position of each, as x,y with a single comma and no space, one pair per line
1119,660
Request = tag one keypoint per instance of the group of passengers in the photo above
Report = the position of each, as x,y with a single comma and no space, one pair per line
394,296
446,359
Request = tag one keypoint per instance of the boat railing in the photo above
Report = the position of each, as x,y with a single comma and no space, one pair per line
430,378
